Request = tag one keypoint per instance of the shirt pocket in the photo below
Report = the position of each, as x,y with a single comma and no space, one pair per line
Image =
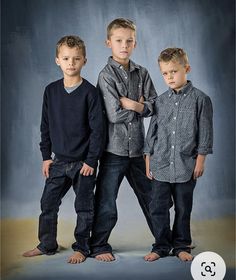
121,89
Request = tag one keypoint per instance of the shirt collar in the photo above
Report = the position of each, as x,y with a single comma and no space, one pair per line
132,65
185,90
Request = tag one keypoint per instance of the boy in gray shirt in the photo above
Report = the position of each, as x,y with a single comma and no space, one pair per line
180,136
128,94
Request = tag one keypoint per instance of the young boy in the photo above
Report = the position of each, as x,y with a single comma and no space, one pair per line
180,136
71,128
128,95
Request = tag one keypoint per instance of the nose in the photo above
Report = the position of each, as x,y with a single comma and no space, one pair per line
71,61
124,45
170,76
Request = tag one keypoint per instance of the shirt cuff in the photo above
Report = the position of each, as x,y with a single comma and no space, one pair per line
145,111
204,151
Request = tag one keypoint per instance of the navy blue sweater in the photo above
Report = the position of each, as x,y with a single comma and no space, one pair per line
72,124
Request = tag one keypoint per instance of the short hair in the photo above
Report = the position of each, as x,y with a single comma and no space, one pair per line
120,23
71,41
174,54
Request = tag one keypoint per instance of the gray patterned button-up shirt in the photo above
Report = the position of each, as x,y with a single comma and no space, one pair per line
125,127
180,130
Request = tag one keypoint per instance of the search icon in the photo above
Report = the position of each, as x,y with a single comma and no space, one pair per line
208,269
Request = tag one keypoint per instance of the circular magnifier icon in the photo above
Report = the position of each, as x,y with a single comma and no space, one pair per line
208,266
208,269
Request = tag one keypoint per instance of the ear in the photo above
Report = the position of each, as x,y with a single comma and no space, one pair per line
135,44
108,43
85,61
188,68
57,61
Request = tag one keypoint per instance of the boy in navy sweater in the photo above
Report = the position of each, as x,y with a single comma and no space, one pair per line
71,129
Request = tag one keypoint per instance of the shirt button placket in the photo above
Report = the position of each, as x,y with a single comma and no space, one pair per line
173,141
130,138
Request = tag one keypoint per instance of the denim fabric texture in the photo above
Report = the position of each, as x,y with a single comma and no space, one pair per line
112,170
62,176
163,193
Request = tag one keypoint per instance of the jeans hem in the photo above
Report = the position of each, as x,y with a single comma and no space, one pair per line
161,253
93,255
82,252
45,252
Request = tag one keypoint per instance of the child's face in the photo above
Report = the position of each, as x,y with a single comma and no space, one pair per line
122,42
71,60
174,74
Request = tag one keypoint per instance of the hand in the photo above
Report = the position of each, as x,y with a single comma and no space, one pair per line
148,172
126,103
199,167
46,166
141,99
86,170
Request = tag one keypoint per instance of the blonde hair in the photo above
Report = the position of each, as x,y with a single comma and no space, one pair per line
120,23
71,41
174,54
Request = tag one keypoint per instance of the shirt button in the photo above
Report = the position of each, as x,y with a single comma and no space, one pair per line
171,162
129,138
130,123
173,147
176,103
173,132
174,118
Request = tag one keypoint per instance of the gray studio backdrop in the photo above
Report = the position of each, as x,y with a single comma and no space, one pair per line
30,30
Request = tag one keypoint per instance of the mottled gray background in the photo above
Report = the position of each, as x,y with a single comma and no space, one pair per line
30,30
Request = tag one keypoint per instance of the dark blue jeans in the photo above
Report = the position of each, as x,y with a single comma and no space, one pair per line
180,237
61,176
112,170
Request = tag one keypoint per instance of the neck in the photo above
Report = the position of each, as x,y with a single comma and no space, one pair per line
72,81
124,63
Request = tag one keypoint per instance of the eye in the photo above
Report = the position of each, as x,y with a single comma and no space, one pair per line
164,74
65,58
118,40
130,41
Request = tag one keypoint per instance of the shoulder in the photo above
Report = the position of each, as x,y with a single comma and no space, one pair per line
107,71
89,89
138,67
86,84
163,96
54,84
200,95
53,88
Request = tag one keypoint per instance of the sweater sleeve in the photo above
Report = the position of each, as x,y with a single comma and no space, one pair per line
45,144
97,131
